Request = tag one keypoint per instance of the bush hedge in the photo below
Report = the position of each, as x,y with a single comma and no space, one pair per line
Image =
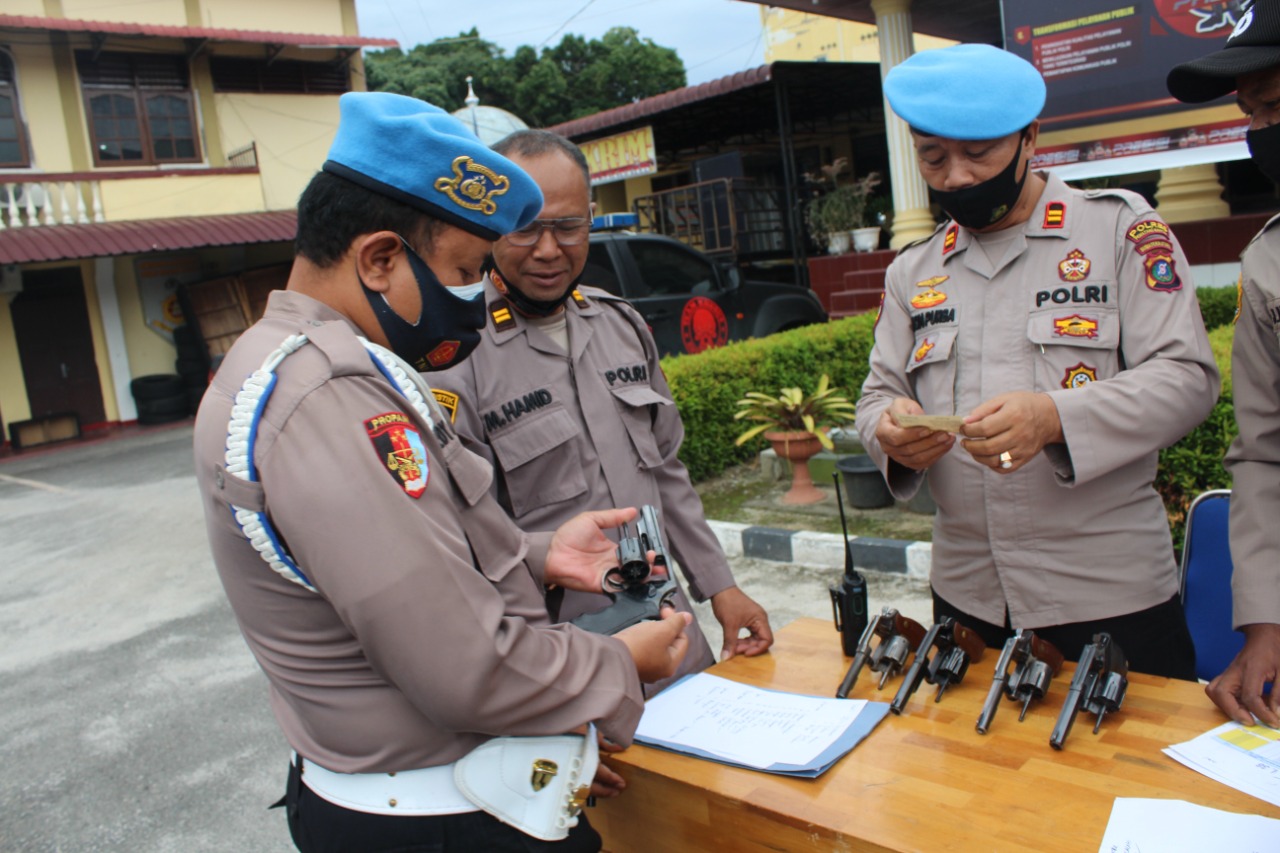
707,385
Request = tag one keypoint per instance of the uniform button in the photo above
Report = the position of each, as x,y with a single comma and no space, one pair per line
391,803
392,773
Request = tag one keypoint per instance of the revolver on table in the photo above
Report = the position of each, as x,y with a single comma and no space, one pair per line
1035,662
636,595
897,634
956,646
1099,685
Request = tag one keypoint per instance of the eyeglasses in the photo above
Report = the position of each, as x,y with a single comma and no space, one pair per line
569,231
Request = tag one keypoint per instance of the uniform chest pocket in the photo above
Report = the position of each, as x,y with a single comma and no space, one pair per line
931,369
633,402
1074,345
540,460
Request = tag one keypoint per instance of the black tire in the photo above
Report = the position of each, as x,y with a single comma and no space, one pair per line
156,386
164,409
193,371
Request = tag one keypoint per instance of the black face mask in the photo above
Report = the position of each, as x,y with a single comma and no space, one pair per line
448,328
1264,148
526,306
986,203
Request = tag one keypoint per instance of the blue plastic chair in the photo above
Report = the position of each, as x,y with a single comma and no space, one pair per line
1206,583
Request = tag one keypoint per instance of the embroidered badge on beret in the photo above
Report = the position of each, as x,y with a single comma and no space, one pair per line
473,186
448,401
399,446
1079,376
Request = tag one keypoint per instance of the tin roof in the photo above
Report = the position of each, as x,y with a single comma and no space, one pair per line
33,22
137,236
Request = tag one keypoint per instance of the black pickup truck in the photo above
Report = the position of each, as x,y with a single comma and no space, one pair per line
691,302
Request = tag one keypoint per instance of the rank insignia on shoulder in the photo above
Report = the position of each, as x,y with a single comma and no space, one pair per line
1055,213
1162,275
1079,376
503,319
473,186
579,299
929,297
399,446
949,239
1075,267
448,401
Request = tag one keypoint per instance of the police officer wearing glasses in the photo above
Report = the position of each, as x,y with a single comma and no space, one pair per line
1249,65
566,397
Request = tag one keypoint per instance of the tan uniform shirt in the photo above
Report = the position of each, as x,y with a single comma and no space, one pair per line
1254,458
1093,305
592,428
429,634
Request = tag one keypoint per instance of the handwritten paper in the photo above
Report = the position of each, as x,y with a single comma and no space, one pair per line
1176,826
723,720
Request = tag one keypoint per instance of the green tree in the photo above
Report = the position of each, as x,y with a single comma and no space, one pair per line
576,77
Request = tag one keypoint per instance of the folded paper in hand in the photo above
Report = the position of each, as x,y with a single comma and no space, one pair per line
788,733
941,423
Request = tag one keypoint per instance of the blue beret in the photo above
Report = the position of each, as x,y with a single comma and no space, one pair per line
420,155
969,91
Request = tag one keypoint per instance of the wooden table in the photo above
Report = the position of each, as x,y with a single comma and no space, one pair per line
925,780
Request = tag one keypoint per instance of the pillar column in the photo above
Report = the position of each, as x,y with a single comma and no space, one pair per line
1191,193
912,218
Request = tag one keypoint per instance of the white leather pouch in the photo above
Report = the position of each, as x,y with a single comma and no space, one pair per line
536,784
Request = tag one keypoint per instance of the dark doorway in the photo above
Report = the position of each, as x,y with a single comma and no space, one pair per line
55,344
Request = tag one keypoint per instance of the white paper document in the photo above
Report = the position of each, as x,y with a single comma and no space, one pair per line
1176,826
715,718
1245,757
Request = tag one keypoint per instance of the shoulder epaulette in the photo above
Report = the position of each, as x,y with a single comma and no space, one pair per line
500,313
1136,202
920,242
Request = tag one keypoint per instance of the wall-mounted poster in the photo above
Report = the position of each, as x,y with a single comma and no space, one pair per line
1107,61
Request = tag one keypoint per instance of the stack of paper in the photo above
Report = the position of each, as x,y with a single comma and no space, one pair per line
1245,757
722,720
1176,826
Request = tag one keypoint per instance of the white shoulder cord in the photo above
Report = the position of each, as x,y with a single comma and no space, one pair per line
242,431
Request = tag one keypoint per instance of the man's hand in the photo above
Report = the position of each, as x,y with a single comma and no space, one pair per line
1009,430
1238,690
579,554
914,447
658,646
735,610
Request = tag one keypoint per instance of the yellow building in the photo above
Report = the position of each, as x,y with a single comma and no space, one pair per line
801,36
145,147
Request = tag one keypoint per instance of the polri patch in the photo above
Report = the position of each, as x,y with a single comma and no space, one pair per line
949,239
1146,230
929,297
399,446
448,401
1074,267
1055,214
1079,376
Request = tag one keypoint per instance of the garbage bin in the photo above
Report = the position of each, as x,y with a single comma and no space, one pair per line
864,485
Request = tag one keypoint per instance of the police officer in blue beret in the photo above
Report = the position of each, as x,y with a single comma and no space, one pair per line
1061,327
1249,65
395,609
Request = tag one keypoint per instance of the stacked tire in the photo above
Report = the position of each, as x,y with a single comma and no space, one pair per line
160,398
192,364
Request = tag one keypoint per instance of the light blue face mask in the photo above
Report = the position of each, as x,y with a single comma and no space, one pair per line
469,292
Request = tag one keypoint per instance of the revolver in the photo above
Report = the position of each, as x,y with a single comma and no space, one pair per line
1099,686
897,633
634,593
1036,662
956,646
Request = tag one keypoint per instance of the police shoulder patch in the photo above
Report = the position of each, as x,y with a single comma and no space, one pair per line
448,401
399,446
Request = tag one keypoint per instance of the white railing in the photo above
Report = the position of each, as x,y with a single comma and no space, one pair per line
55,200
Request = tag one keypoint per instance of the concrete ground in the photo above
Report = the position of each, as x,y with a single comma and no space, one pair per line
133,717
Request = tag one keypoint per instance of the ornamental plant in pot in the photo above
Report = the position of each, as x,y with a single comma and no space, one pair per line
842,209
796,424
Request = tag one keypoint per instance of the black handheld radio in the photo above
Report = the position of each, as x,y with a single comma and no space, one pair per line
849,600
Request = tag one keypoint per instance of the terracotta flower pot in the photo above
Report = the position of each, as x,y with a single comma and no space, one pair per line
797,447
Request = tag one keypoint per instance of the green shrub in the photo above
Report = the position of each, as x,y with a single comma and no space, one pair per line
1217,305
707,386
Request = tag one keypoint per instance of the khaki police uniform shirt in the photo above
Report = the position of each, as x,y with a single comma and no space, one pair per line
1093,304
1254,458
592,428
429,633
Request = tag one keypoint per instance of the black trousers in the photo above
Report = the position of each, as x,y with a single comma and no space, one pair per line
318,826
1156,641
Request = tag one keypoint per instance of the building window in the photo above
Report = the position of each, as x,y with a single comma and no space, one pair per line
13,142
140,108
284,76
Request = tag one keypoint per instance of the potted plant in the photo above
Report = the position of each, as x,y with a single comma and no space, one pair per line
796,424
842,210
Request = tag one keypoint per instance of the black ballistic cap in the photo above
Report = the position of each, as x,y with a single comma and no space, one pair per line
1253,45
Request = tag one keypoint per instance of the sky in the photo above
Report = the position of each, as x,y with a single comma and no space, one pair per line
714,38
